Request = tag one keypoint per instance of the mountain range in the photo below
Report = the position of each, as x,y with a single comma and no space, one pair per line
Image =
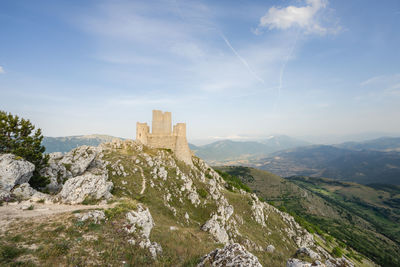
226,151
67,143
361,165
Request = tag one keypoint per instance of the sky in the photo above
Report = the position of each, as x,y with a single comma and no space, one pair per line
229,69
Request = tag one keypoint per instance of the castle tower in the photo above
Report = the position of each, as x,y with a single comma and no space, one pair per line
142,132
161,123
161,135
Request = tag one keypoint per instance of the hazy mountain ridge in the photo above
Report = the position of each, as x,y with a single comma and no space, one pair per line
362,166
380,144
228,150
67,143
364,217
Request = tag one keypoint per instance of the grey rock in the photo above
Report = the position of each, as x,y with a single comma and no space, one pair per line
96,215
141,219
270,248
308,252
25,191
141,222
14,171
89,185
297,263
74,163
230,255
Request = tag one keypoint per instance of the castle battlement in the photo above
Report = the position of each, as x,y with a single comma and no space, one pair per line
164,136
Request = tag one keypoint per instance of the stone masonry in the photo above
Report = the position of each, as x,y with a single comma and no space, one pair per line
163,136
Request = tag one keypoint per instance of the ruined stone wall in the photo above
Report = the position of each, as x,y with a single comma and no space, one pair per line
161,141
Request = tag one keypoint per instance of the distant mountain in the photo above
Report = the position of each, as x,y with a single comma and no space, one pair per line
380,144
363,217
67,143
228,150
362,166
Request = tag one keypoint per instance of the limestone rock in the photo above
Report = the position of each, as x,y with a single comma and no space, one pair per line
96,215
270,248
76,189
231,255
14,171
74,163
79,159
141,222
308,252
141,219
338,262
25,191
297,263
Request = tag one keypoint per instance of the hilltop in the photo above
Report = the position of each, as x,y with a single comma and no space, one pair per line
150,209
363,217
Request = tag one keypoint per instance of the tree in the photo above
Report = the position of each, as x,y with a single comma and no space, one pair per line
17,136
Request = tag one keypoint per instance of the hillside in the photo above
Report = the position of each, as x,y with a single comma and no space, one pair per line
379,144
363,217
225,151
365,166
67,143
148,209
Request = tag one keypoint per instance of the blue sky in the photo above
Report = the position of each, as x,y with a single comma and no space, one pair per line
229,69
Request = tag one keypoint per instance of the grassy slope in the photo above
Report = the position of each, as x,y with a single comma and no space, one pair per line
358,215
63,241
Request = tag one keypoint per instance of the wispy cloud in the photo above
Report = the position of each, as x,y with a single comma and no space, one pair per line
243,60
2,70
388,84
304,17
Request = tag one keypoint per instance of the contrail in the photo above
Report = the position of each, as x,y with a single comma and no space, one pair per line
283,70
242,60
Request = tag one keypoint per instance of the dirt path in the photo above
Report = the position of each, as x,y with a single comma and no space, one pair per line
143,181
17,211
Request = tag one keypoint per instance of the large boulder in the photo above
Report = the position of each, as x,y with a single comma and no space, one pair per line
25,191
13,171
74,163
89,185
230,255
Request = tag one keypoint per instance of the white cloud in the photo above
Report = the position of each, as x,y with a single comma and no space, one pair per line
2,70
305,17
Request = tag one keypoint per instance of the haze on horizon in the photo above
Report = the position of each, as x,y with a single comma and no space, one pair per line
229,69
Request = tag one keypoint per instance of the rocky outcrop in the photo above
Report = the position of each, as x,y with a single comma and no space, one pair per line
77,189
308,252
231,255
95,215
25,191
13,171
218,223
339,262
74,163
299,263
141,222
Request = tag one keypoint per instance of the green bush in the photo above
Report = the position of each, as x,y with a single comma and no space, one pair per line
202,192
337,252
17,136
233,181
8,253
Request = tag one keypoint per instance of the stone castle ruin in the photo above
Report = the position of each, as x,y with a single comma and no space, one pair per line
163,136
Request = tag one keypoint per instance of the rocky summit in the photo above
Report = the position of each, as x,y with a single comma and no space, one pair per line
126,204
